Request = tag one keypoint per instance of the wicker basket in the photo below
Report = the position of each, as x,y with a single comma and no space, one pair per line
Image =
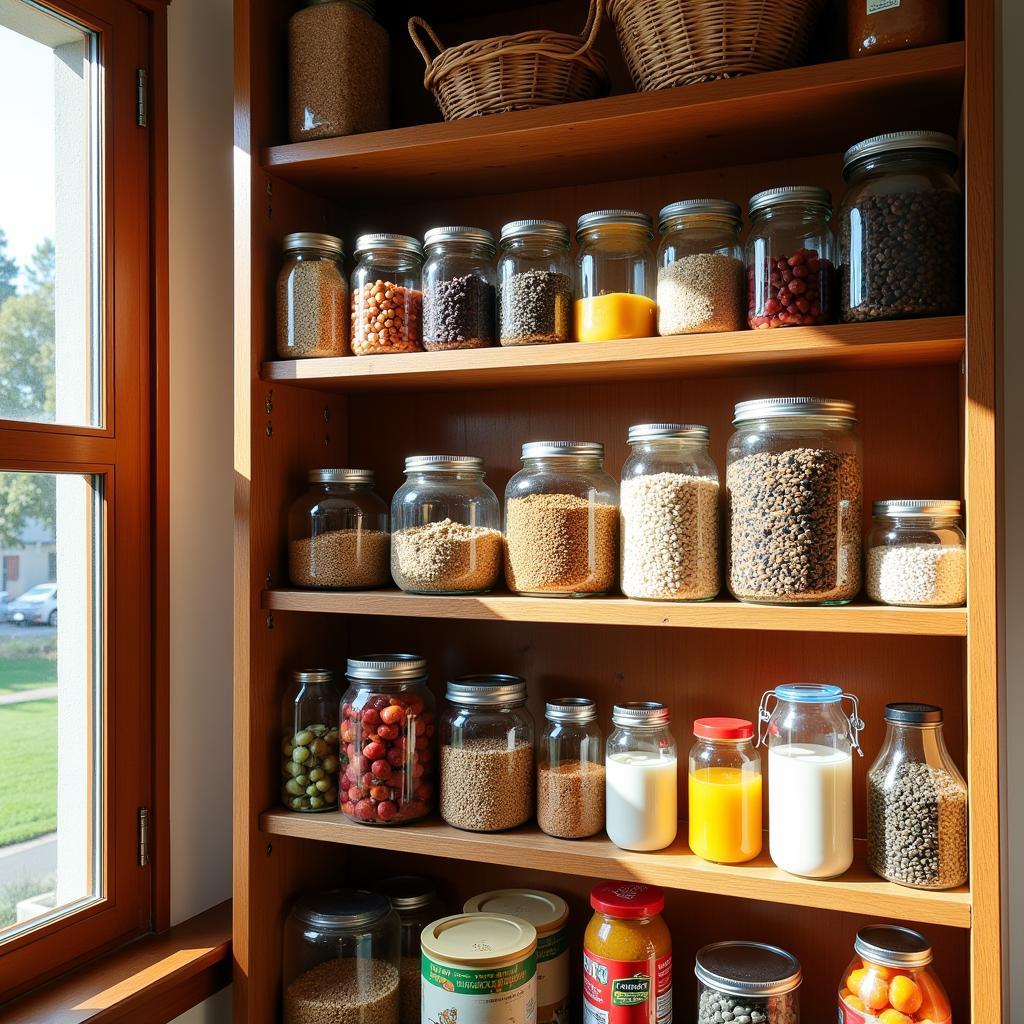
520,72
679,42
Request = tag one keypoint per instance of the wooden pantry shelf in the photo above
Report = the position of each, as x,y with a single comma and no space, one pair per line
859,890
897,343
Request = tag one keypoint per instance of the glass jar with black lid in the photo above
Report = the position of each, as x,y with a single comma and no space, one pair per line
749,981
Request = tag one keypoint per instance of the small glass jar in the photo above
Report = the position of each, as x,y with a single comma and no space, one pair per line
669,503
534,283
641,807
570,770
901,234
340,958
700,268
743,981
615,276
487,759
388,736
310,756
338,532
561,521
917,803
387,304
312,297
459,286
881,26
891,972
794,484
446,527
725,791
790,258
917,554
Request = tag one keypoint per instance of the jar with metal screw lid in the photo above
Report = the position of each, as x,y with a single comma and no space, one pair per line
387,304
459,285
747,981
534,283
310,755
570,770
312,297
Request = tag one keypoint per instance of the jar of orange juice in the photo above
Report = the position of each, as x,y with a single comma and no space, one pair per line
890,980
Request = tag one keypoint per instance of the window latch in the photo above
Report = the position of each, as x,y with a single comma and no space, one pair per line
143,836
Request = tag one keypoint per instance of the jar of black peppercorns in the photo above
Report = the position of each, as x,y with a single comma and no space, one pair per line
901,228
459,286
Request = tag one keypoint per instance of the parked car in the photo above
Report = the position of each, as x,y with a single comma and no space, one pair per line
36,607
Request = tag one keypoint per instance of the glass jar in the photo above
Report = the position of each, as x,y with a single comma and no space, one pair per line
310,758
570,770
534,283
561,521
615,276
917,803
388,732
669,518
459,285
790,258
747,981
917,554
387,304
700,267
312,297
641,807
901,232
446,527
487,766
340,958
725,791
337,70
890,979
810,743
338,532
794,480
880,26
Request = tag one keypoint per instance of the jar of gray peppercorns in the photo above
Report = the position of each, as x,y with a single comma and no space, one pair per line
309,744
747,983
534,283
459,287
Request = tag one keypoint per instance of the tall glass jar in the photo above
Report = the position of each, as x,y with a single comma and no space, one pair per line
570,770
881,26
790,258
615,276
641,807
561,521
338,532
669,519
388,735
340,958
487,759
794,482
810,743
446,527
917,803
747,981
534,283
312,297
459,286
310,756
901,233
700,267
387,304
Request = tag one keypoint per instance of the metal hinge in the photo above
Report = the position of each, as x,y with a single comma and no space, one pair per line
141,97
143,836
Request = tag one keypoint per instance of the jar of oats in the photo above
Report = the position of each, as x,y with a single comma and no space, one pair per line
312,297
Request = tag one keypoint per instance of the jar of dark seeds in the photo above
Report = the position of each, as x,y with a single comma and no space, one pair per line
459,286
900,228
310,759
917,803
312,297
534,283
747,983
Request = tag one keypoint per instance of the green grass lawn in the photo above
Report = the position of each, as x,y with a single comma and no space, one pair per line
28,770
17,674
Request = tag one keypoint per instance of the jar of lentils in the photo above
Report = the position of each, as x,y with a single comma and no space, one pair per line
534,283
310,756
748,982
387,304
794,485
790,258
570,770
312,297
459,286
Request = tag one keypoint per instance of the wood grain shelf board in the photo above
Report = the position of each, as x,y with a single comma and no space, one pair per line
898,343
677,868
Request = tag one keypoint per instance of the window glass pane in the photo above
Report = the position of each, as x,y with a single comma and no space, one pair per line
49,697
49,218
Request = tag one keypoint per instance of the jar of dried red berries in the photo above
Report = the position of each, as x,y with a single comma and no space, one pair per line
387,737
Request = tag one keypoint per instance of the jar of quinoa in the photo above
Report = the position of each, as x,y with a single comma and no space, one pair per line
570,770
312,297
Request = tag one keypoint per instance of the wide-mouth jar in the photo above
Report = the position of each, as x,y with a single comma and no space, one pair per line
312,297
534,283
387,303
747,981
459,286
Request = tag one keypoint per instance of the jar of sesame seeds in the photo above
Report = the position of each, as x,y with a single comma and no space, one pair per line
312,297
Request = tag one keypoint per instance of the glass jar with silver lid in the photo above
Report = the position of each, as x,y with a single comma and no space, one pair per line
310,747
570,770
747,981
446,527
917,553
534,283
487,755
459,285
387,303
312,297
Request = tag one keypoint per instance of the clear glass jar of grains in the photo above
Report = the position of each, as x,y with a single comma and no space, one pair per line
570,770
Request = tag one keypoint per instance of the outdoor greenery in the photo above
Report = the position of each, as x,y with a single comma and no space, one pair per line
28,770
23,889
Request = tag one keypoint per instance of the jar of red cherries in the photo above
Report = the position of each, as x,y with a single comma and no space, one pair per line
387,740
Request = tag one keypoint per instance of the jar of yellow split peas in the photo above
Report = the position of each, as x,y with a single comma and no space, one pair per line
890,980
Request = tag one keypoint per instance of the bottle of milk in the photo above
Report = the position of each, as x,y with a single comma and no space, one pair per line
810,743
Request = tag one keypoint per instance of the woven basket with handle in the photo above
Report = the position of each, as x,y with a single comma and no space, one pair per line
518,72
679,42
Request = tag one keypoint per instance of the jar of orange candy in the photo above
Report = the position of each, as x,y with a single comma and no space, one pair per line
890,980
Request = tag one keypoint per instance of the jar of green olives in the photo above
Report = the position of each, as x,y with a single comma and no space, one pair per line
309,744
